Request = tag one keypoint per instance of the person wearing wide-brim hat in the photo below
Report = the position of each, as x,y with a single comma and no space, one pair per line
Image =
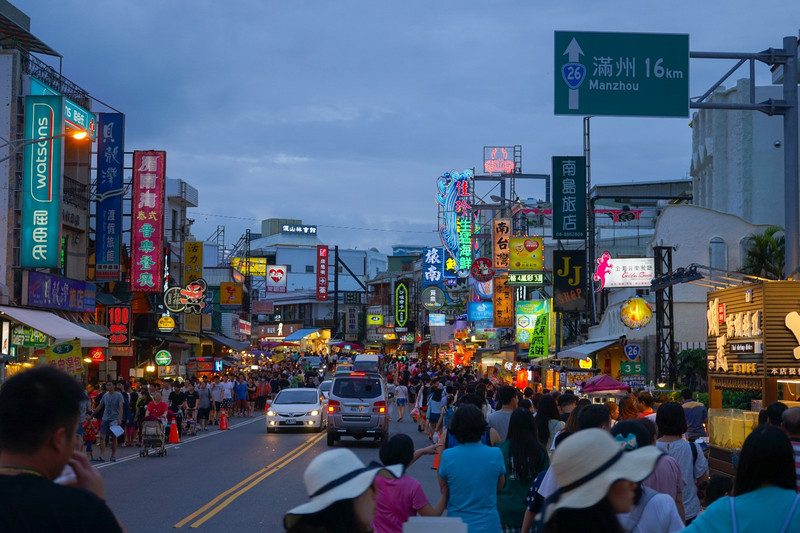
342,494
596,480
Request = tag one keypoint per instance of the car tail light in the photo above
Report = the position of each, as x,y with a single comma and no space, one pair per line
379,407
333,406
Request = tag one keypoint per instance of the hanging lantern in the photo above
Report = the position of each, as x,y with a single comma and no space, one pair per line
636,313
522,378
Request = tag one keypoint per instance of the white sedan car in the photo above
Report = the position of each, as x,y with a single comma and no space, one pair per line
297,408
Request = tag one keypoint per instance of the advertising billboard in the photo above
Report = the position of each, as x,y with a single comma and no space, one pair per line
526,253
55,292
118,320
110,154
322,273
569,197
569,280
501,233
276,278
454,197
400,305
627,272
41,182
503,300
479,311
192,260
230,294
147,233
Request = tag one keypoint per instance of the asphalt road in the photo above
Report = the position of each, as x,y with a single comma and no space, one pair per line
243,479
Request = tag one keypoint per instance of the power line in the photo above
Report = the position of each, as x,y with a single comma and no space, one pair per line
319,225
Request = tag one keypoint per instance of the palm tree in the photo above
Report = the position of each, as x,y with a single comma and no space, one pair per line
766,254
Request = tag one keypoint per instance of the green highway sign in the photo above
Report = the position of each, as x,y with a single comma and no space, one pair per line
621,74
632,369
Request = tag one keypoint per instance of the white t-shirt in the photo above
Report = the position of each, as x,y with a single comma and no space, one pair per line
660,516
216,392
227,389
681,452
401,392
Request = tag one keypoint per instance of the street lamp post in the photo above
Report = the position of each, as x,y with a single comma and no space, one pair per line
21,143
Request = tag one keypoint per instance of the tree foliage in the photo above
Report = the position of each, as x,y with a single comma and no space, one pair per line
693,369
766,254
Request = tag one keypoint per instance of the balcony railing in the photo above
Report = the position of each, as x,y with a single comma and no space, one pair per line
76,193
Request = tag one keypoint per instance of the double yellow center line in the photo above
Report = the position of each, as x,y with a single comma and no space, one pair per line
223,500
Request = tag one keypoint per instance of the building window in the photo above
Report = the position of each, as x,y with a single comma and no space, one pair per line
310,269
288,268
717,254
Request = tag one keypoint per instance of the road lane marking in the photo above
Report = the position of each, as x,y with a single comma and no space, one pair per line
108,464
248,483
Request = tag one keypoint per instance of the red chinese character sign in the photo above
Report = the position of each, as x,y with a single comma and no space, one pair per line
498,159
322,273
147,240
118,320
190,299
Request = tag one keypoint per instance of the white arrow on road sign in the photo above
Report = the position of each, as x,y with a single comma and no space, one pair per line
573,72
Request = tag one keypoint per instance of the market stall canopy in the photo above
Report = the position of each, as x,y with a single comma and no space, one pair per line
258,353
583,351
53,326
284,344
300,333
602,383
230,343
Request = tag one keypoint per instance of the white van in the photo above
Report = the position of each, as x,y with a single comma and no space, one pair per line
366,363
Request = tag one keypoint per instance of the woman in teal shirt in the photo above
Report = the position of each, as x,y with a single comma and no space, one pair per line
765,490
471,471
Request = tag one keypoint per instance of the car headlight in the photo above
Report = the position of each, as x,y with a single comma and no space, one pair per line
270,413
313,413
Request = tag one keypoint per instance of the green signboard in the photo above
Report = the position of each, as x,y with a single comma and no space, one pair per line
75,116
621,74
631,369
525,279
569,197
540,338
41,182
163,358
25,336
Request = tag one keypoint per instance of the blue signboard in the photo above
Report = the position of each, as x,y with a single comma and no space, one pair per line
41,182
54,292
110,153
477,311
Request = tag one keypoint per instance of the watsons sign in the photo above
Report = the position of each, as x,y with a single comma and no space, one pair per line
41,194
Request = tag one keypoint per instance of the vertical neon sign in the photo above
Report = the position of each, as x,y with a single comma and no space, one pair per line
456,229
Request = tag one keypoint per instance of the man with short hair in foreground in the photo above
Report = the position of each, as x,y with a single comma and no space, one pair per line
39,415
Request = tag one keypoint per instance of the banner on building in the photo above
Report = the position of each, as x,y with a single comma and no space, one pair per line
526,313
501,239
400,305
527,253
192,260
66,356
55,292
626,272
322,273
230,294
110,190
147,234
276,278
503,301
41,182
540,338
118,320
569,280
569,197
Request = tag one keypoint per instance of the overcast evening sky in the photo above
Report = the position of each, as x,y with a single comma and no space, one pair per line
344,113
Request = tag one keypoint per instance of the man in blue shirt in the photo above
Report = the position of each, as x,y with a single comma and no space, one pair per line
696,416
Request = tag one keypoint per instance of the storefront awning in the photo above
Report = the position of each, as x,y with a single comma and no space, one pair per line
585,350
300,334
230,343
53,326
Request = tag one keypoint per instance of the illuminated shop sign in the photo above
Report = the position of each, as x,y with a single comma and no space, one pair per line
501,233
525,279
110,152
527,253
455,194
498,159
322,273
147,263
569,197
75,117
628,272
299,228
401,305
41,182
118,320
276,277
636,313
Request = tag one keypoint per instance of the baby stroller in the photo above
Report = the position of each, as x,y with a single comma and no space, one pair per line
153,438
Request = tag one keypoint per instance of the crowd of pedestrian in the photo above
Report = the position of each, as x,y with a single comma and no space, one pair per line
516,461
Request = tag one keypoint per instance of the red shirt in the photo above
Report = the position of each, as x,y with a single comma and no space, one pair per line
157,409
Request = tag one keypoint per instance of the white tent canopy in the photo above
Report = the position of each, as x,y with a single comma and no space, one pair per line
53,326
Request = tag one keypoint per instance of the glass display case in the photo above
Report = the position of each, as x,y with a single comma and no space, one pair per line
727,428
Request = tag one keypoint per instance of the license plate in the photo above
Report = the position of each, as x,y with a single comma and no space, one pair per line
357,409
290,421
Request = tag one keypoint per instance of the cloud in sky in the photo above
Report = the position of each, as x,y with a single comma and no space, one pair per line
343,114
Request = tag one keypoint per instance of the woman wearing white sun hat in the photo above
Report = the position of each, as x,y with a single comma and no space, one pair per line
596,480
342,494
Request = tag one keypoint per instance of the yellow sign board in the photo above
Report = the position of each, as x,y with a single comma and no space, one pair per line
257,266
166,323
66,356
230,293
192,261
527,253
